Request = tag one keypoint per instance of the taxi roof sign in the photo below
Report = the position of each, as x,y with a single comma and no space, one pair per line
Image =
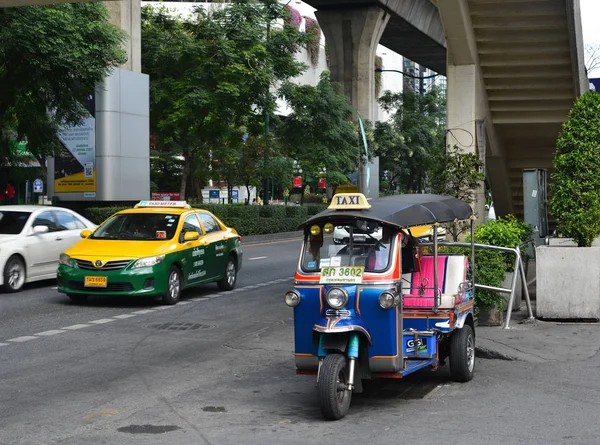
349,201
173,204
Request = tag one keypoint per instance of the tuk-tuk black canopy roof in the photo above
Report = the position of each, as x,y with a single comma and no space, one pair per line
402,211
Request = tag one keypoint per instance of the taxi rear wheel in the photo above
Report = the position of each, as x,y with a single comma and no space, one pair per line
173,286
230,276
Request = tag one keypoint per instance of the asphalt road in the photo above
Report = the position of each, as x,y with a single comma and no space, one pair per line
218,369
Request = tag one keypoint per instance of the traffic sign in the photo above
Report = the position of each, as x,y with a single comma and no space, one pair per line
38,186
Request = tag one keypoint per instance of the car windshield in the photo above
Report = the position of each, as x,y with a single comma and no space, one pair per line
12,223
138,226
347,245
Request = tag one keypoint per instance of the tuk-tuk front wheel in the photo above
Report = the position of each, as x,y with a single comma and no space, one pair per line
462,354
334,396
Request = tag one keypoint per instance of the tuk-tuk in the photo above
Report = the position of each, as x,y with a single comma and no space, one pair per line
368,303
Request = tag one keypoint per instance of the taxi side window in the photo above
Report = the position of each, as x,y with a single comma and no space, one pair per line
209,223
191,224
46,219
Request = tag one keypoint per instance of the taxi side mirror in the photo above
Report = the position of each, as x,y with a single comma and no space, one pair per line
85,233
190,236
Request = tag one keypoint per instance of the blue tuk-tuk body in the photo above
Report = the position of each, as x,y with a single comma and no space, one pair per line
365,304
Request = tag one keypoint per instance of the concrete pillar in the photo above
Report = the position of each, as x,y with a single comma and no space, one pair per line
128,15
464,107
352,36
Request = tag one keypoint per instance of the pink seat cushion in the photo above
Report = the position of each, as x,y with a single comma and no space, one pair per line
425,278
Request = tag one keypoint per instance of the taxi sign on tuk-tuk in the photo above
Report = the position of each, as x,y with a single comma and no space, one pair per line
349,201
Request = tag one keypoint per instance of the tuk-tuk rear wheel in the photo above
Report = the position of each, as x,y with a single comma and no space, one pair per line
333,379
462,354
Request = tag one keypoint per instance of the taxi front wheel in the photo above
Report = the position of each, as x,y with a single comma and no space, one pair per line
230,275
173,286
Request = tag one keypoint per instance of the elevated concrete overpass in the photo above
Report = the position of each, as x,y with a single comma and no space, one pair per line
514,68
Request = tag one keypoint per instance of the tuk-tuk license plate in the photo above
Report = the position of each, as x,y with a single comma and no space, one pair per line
342,275
96,281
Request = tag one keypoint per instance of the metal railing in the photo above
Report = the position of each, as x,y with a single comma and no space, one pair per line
518,270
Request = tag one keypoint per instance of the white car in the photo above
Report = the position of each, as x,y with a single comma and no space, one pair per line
341,235
31,240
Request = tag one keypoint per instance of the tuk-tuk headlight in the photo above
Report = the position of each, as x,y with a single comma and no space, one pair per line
292,298
337,297
389,299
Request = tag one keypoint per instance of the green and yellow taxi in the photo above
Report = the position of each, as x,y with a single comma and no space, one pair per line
157,248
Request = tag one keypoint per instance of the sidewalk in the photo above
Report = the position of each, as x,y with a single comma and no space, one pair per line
537,341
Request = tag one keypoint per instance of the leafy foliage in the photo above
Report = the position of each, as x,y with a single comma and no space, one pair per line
51,58
320,119
457,174
575,187
293,18
211,79
409,143
504,232
314,30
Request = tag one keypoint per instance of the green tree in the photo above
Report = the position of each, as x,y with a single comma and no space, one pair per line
318,133
408,144
51,59
459,174
212,75
575,187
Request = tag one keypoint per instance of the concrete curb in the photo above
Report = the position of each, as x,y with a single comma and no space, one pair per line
255,239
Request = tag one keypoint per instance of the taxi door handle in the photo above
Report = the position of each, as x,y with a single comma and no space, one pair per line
204,243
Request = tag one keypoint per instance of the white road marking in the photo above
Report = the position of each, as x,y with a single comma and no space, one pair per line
102,321
22,339
52,332
131,315
257,258
77,326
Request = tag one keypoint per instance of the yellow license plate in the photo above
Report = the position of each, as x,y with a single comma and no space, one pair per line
96,281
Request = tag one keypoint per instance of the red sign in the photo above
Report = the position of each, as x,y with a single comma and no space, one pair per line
297,181
166,196
322,183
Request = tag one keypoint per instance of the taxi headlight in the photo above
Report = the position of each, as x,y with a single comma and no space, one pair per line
337,297
389,299
148,261
292,298
65,260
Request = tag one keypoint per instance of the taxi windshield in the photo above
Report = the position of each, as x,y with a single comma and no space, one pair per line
138,226
348,245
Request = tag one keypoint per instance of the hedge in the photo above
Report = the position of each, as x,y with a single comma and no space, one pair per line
246,219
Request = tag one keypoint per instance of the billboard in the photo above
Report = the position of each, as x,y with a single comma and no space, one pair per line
75,166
